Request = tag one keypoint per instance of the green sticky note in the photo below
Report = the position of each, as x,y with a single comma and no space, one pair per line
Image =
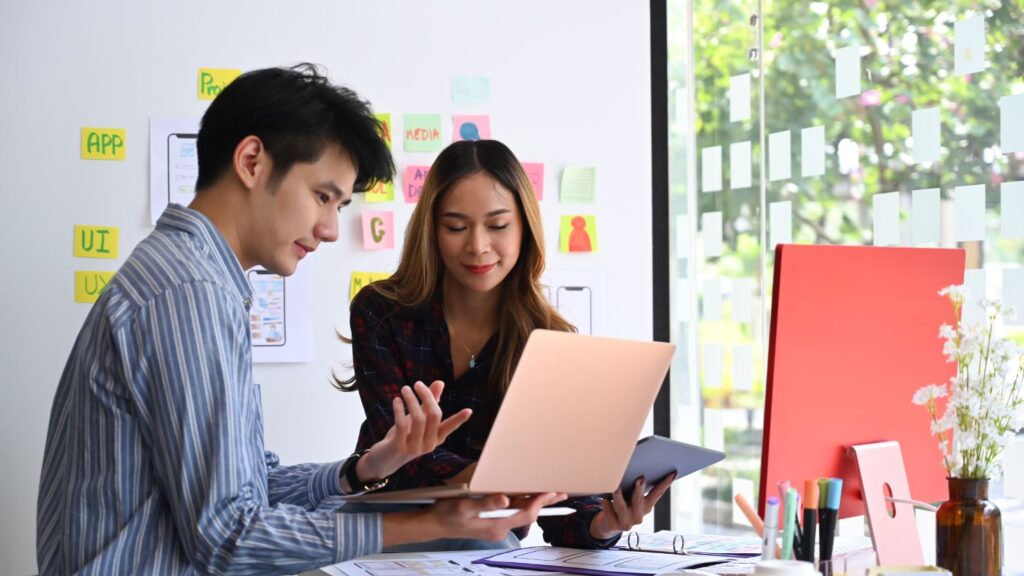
578,184
422,132
578,233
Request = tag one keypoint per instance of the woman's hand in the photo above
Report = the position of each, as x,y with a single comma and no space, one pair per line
418,430
619,514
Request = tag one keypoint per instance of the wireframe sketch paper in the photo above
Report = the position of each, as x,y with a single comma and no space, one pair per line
425,564
173,163
599,562
670,542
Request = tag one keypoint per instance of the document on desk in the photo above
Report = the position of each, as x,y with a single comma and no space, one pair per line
599,562
425,564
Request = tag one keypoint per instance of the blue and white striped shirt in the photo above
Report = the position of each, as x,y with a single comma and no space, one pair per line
154,459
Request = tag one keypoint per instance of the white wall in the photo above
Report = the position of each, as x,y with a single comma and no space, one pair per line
570,85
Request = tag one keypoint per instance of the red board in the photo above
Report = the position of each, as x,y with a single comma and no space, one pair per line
854,333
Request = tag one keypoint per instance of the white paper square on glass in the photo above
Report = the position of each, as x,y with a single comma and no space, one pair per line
739,98
969,42
711,169
742,367
742,295
711,231
739,165
780,227
812,151
1011,123
969,209
780,158
713,366
848,71
926,129
925,216
1013,295
975,284
885,219
1011,209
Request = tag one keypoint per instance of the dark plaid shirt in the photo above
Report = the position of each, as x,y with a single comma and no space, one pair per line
394,347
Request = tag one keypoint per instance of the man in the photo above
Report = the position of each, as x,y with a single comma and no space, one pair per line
154,460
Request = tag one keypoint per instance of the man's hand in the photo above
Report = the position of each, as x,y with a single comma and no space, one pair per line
618,514
418,430
460,518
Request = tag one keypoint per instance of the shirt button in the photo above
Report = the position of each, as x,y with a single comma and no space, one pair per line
247,302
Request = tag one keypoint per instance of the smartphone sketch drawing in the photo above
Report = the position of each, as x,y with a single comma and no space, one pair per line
267,314
182,168
574,303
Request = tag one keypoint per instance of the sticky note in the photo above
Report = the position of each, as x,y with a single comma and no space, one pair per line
382,192
535,174
848,71
422,132
742,367
476,127
682,301
213,80
385,126
711,169
95,242
711,233
1011,123
780,223
780,163
739,98
578,234
712,366
812,151
471,90
744,486
1013,295
976,285
925,128
378,230
90,284
924,216
361,279
714,430
969,39
885,218
1011,209
711,300
969,213
742,291
578,184
739,165
412,182
103,143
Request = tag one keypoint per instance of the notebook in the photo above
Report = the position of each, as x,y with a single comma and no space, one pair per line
569,421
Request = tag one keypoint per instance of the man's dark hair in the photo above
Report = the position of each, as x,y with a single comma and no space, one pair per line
296,113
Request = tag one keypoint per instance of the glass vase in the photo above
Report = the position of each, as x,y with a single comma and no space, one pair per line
969,530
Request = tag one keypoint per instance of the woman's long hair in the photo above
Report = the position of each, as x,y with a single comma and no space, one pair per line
419,279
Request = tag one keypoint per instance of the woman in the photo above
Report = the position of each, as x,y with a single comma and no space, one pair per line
459,309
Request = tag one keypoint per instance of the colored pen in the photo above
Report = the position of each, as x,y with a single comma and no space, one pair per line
751,515
788,524
771,525
828,517
810,519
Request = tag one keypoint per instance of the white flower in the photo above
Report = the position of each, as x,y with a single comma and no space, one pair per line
929,393
946,331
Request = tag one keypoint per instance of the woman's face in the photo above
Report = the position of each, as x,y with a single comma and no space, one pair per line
479,232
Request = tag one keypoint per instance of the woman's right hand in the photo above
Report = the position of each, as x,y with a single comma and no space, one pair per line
418,430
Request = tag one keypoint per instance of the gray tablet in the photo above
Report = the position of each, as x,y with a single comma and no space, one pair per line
656,457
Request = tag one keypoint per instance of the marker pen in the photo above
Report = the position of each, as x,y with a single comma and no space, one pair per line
771,526
828,517
788,524
810,519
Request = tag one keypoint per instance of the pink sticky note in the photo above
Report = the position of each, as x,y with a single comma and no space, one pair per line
378,230
535,172
471,128
412,184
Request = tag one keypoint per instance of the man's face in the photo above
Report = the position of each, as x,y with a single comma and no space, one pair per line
291,218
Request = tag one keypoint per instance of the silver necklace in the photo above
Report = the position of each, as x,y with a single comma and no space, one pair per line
451,329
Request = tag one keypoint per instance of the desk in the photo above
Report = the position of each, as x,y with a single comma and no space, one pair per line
1013,545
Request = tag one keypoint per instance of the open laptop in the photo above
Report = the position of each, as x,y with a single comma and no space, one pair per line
569,421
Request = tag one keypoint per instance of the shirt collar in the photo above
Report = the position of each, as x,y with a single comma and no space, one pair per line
195,223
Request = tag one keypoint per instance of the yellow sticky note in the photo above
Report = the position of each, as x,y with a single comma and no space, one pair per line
361,279
385,120
578,234
103,143
213,80
382,192
90,284
95,242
